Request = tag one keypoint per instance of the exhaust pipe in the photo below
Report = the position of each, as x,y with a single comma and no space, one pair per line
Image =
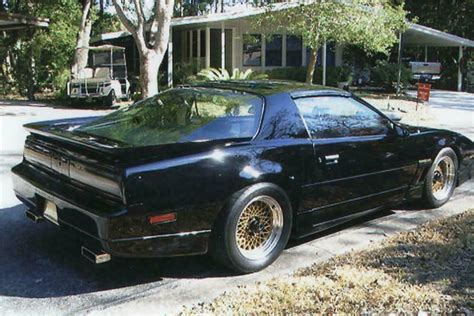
34,217
95,257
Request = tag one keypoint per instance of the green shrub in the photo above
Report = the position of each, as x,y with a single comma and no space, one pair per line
287,73
184,73
385,74
212,74
449,78
333,74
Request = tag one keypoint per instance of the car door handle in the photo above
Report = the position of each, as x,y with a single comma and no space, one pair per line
331,159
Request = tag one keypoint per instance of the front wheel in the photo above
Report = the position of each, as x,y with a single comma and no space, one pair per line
253,229
110,99
441,178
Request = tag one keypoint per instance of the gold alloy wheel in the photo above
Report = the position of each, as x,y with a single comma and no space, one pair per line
259,227
443,178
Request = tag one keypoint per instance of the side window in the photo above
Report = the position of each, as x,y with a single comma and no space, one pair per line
333,116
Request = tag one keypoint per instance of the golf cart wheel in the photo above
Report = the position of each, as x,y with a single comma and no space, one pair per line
253,229
111,99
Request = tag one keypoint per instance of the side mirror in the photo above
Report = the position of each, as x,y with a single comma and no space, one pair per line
400,131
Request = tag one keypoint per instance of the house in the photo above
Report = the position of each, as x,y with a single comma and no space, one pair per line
227,40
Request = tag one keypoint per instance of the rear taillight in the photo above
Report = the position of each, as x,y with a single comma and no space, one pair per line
163,218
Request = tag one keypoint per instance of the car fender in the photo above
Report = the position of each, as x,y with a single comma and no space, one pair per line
432,141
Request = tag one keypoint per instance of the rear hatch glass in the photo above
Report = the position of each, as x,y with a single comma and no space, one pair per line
181,115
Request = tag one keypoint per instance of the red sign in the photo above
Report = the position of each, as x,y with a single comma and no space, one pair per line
424,91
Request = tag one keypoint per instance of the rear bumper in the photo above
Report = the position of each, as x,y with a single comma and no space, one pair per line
86,96
102,223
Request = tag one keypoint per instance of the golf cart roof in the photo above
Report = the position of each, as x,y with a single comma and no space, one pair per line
104,48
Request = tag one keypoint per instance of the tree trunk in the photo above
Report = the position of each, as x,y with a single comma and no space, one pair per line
83,38
149,66
313,58
151,52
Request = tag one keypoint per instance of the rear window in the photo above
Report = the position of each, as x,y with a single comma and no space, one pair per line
181,115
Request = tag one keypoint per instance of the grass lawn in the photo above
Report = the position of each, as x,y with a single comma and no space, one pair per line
430,269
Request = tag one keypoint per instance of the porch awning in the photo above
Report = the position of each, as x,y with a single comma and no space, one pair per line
419,35
9,21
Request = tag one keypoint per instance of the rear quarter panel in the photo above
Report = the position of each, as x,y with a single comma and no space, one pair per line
198,186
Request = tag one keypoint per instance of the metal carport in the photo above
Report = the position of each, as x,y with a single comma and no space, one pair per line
422,36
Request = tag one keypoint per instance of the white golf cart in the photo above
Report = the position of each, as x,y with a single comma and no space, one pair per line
105,77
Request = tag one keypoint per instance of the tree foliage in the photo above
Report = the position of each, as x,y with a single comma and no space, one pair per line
453,16
39,59
370,24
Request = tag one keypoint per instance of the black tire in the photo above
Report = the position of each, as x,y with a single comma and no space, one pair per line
110,99
224,247
430,197
72,102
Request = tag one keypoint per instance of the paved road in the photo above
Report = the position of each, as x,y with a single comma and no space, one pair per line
41,270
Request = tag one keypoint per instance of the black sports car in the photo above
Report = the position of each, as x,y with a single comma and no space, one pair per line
230,168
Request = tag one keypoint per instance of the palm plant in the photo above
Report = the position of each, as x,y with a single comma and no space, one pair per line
213,74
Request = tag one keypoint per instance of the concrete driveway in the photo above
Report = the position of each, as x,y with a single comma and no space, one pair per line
42,272
452,110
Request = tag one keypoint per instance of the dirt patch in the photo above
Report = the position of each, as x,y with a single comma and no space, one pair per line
412,112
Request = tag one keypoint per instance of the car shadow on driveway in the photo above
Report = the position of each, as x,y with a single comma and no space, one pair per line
339,228
41,261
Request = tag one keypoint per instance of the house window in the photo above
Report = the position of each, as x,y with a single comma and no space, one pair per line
294,50
252,50
273,51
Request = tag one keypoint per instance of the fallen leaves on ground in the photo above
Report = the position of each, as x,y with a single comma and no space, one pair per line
429,269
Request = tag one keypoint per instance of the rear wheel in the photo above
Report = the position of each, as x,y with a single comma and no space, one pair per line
253,229
441,178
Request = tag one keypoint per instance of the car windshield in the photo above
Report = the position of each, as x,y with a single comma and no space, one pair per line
181,115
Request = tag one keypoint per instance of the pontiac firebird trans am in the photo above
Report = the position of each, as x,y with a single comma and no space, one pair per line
230,168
